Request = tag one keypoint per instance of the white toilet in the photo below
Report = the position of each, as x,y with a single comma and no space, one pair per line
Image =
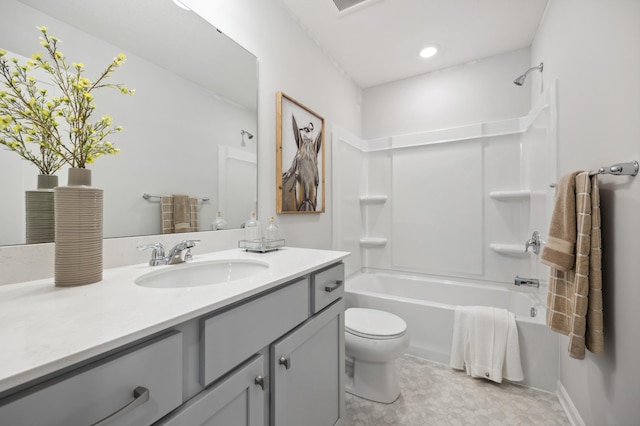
373,341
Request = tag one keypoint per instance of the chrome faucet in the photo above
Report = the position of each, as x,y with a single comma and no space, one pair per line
529,282
534,242
180,253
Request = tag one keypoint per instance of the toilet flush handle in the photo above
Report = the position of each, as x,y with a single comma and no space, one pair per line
286,361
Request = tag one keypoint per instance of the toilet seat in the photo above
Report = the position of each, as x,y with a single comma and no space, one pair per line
374,324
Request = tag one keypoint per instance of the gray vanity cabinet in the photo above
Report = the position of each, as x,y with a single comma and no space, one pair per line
273,358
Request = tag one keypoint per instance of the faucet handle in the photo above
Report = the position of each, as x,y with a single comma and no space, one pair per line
158,248
157,256
190,243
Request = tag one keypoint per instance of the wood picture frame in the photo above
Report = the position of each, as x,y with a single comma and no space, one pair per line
300,158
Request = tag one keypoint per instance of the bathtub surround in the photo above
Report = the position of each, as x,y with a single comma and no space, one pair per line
478,177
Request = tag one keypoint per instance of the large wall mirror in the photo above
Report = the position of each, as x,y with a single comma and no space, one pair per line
190,128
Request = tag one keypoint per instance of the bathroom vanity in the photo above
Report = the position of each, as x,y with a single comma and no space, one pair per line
264,349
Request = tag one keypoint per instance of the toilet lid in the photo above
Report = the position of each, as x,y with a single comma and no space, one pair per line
371,323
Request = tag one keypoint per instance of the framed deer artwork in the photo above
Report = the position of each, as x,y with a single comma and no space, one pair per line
299,158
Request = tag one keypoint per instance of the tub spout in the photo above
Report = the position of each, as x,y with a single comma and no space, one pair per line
529,282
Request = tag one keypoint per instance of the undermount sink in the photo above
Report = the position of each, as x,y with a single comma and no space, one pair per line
201,273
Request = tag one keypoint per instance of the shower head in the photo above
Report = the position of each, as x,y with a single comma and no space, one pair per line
520,80
244,132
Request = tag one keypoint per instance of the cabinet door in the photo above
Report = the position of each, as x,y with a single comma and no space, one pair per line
307,372
238,400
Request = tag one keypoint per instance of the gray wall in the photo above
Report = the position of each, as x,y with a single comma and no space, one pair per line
593,48
292,63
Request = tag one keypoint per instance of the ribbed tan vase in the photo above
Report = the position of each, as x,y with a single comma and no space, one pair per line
39,211
78,250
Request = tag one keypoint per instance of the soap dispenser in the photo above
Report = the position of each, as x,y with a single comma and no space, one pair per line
272,232
219,223
252,229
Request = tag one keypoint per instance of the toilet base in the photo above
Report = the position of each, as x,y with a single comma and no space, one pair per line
375,381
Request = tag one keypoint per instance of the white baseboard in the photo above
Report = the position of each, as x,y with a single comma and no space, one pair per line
567,405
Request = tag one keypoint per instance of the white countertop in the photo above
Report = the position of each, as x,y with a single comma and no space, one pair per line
44,328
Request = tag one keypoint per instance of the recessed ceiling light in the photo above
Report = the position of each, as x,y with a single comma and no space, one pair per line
180,4
428,51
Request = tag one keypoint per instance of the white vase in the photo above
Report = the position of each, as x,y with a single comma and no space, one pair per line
78,235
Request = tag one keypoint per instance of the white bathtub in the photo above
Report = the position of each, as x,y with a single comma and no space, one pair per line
427,304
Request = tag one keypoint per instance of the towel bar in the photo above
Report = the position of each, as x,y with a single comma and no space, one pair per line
625,169
149,196
620,169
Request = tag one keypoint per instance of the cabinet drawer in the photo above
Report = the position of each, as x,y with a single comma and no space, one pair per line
235,335
97,390
327,286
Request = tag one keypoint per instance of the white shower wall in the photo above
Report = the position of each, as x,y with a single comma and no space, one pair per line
349,182
460,202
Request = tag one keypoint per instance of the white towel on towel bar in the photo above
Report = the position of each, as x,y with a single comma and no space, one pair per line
485,343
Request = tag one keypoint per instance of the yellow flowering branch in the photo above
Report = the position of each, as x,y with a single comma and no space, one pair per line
37,114
27,116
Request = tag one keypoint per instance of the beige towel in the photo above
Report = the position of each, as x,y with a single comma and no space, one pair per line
574,299
595,321
559,252
181,213
187,216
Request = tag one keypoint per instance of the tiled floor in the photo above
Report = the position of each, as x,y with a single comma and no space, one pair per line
435,394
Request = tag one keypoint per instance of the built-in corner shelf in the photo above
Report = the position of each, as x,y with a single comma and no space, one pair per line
515,195
373,199
373,242
509,249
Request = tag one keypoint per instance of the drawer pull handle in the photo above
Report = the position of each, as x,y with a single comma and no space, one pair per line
330,288
141,395
259,380
285,361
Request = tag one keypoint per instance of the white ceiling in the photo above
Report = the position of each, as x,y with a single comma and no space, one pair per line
378,41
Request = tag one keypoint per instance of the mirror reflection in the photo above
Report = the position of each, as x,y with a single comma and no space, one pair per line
190,129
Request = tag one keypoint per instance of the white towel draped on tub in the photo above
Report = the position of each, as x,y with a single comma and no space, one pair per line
485,343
